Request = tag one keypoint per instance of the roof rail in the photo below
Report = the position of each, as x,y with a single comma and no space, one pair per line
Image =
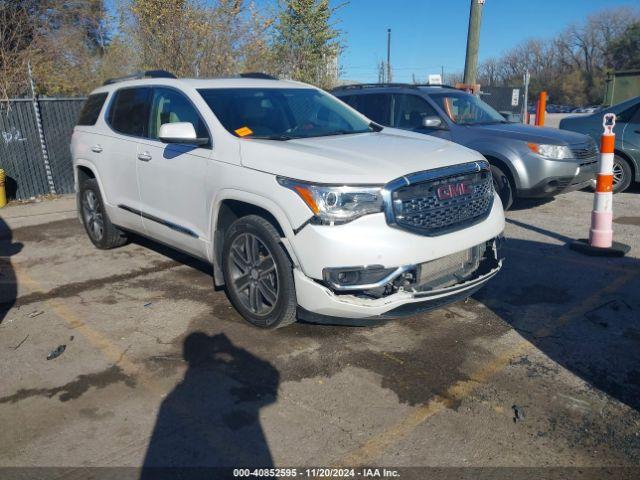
262,75
139,75
400,85
374,85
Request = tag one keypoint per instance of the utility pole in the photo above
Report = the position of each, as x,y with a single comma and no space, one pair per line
389,79
473,42
381,72
525,101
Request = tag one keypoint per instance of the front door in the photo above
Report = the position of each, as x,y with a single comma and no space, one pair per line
409,112
172,179
631,136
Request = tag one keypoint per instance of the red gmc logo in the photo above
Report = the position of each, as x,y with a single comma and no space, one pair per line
452,190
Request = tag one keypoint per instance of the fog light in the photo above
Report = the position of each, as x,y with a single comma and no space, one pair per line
355,277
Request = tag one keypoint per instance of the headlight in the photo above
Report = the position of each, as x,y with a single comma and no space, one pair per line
554,152
336,203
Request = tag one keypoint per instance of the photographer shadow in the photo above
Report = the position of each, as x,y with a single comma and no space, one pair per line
8,280
211,419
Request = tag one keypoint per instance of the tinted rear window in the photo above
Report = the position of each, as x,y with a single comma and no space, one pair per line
91,109
376,106
129,112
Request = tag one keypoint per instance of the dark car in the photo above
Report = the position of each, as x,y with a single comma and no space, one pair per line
526,161
626,162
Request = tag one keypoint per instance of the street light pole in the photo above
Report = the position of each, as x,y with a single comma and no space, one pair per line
388,55
473,42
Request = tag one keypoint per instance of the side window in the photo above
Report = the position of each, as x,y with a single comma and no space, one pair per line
91,109
627,115
129,112
376,106
170,106
348,99
409,111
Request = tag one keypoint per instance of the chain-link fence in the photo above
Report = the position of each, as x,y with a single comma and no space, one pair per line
34,145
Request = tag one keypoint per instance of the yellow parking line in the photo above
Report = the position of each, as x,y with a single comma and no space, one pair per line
379,443
374,447
111,351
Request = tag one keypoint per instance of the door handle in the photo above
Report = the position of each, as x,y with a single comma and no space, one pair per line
96,148
144,156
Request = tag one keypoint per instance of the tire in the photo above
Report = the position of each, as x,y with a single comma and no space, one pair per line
503,186
258,273
622,174
102,233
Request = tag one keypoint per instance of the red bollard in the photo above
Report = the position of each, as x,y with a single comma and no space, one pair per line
600,241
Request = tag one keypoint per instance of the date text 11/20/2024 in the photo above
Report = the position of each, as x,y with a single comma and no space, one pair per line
316,472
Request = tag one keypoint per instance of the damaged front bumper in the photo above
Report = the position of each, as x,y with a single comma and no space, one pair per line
400,291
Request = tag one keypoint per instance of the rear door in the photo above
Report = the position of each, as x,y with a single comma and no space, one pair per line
376,106
172,177
631,137
128,120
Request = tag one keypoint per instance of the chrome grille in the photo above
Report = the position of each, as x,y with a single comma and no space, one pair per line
416,202
587,150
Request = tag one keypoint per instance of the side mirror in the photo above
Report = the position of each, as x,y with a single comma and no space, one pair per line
180,132
432,122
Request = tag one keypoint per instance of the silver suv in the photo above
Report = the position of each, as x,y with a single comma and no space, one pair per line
526,161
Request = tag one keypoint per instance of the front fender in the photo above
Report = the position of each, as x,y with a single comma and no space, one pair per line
508,156
253,199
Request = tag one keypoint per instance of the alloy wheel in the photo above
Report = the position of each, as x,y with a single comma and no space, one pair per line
254,274
618,173
92,213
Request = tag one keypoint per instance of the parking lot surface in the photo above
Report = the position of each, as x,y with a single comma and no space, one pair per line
160,370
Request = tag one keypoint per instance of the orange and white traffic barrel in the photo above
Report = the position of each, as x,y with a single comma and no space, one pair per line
601,232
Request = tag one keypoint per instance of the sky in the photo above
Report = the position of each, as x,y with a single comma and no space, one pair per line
428,35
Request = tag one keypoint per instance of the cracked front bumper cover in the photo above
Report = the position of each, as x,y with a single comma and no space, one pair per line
319,304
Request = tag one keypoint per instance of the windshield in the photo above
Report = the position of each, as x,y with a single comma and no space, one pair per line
465,109
282,113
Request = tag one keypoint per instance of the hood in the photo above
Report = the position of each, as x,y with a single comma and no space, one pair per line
365,158
529,133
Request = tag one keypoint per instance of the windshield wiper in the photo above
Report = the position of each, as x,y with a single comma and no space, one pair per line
282,138
491,122
339,132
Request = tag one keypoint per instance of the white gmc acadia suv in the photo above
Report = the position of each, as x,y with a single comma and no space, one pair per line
304,207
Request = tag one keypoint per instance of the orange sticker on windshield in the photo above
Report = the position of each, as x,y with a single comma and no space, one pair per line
244,131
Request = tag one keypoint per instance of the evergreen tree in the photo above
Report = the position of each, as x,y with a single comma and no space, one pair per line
306,43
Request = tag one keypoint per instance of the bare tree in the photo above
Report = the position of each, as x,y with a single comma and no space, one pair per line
571,66
17,32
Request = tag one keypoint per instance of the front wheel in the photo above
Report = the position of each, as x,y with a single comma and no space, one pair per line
503,187
258,274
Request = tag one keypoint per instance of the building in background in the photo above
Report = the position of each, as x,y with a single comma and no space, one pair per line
621,86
